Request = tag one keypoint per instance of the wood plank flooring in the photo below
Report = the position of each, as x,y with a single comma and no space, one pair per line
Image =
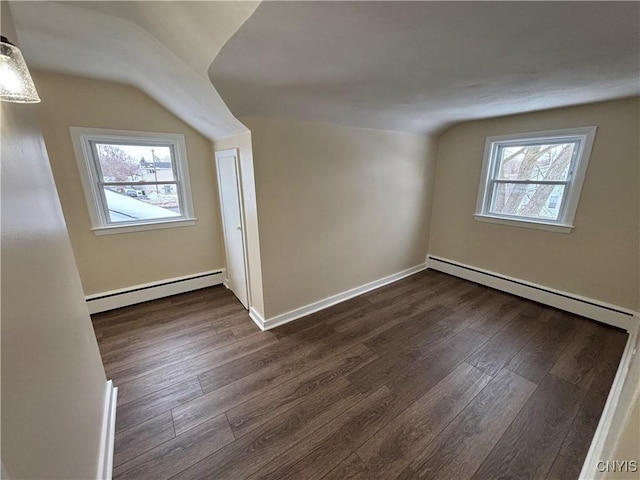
432,377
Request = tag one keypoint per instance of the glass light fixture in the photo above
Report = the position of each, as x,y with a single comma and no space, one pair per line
15,80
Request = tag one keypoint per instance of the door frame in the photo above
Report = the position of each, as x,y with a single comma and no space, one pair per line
219,154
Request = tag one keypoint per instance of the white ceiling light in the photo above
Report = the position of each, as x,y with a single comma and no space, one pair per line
16,84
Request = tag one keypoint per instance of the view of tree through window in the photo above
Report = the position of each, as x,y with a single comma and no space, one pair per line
534,180
139,182
531,180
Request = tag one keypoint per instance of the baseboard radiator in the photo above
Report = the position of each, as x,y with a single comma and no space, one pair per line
123,297
587,307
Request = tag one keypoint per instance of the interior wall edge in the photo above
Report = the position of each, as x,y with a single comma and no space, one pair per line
244,147
107,442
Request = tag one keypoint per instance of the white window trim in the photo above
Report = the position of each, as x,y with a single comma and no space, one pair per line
140,227
564,224
81,137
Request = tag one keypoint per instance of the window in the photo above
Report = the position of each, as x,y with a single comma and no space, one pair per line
133,180
534,179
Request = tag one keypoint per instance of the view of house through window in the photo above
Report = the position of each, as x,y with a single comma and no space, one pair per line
139,181
133,180
531,180
535,177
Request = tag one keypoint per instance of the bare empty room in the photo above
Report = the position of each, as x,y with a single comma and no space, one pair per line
320,240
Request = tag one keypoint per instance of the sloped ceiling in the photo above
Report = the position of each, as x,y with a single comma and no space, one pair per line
163,48
422,66
410,66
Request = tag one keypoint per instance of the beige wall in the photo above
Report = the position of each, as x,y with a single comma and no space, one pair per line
628,445
245,154
53,383
600,257
338,207
116,261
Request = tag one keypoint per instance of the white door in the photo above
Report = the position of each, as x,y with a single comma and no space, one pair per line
232,223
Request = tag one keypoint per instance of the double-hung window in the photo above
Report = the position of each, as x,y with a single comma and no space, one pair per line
534,179
133,180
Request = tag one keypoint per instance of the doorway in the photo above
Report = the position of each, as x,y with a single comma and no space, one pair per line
229,188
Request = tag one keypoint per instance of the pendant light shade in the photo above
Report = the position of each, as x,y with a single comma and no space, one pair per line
16,84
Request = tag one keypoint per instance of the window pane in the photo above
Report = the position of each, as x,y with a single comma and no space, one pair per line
527,200
134,163
535,162
130,203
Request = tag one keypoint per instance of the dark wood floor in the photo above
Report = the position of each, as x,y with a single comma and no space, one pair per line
431,377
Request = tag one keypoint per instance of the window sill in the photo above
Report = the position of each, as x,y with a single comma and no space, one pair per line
140,227
549,227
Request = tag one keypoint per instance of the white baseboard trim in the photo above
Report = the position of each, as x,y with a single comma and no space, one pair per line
287,317
587,307
257,318
101,302
105,459
623,394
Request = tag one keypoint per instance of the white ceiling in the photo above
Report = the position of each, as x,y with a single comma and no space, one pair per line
163,48
413,66
422,66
